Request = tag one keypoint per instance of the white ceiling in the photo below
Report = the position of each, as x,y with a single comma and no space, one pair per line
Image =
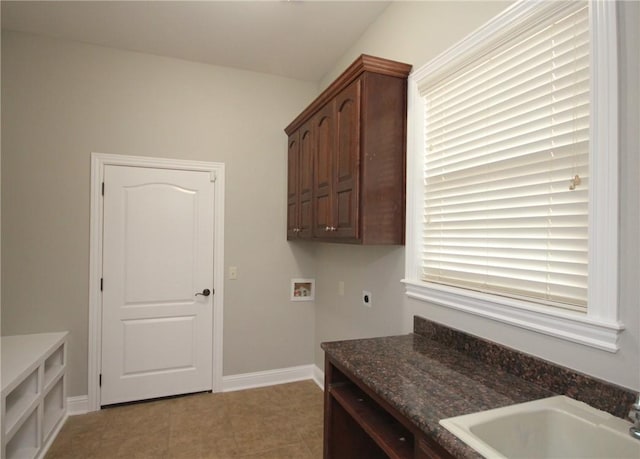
296,39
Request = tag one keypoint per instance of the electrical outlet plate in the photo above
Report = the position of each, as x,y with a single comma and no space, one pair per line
367,299
233,272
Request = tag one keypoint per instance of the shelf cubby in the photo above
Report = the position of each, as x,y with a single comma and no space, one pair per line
20,400
25,442
54,407
53,365
33,393
388,434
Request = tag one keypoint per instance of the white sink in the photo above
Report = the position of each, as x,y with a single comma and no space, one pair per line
555,427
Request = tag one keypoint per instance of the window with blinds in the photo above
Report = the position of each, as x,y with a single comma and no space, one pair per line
506,165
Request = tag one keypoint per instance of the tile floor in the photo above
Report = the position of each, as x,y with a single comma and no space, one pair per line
276,422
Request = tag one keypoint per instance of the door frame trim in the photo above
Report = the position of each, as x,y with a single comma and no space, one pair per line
98,163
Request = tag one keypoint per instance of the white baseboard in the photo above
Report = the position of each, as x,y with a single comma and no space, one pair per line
80,404
77,405
267,378
318,376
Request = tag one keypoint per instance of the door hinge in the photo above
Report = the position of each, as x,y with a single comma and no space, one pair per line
102,188
100,380
101,283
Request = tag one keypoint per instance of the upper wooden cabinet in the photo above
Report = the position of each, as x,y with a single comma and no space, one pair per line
346,176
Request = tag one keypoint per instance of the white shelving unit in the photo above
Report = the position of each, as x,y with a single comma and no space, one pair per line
33,393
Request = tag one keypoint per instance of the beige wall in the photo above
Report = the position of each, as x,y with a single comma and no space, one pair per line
415,32
63,100
0,182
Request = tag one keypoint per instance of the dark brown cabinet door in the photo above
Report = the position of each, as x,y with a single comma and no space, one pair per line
337,152
305,182
300,183
323,170
293,203
346,169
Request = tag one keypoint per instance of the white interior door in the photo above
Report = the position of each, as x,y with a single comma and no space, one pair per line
157,260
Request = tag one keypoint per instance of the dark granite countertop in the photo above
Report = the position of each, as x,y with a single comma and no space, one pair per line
428,381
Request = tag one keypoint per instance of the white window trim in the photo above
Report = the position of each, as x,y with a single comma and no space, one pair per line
599,327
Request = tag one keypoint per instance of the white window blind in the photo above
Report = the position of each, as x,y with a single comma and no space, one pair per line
507,166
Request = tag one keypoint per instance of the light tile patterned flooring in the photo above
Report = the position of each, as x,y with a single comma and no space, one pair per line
275,422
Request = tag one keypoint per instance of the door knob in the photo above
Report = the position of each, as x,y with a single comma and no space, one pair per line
205,292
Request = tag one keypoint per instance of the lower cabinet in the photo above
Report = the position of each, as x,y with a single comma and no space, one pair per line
33,393
358,423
